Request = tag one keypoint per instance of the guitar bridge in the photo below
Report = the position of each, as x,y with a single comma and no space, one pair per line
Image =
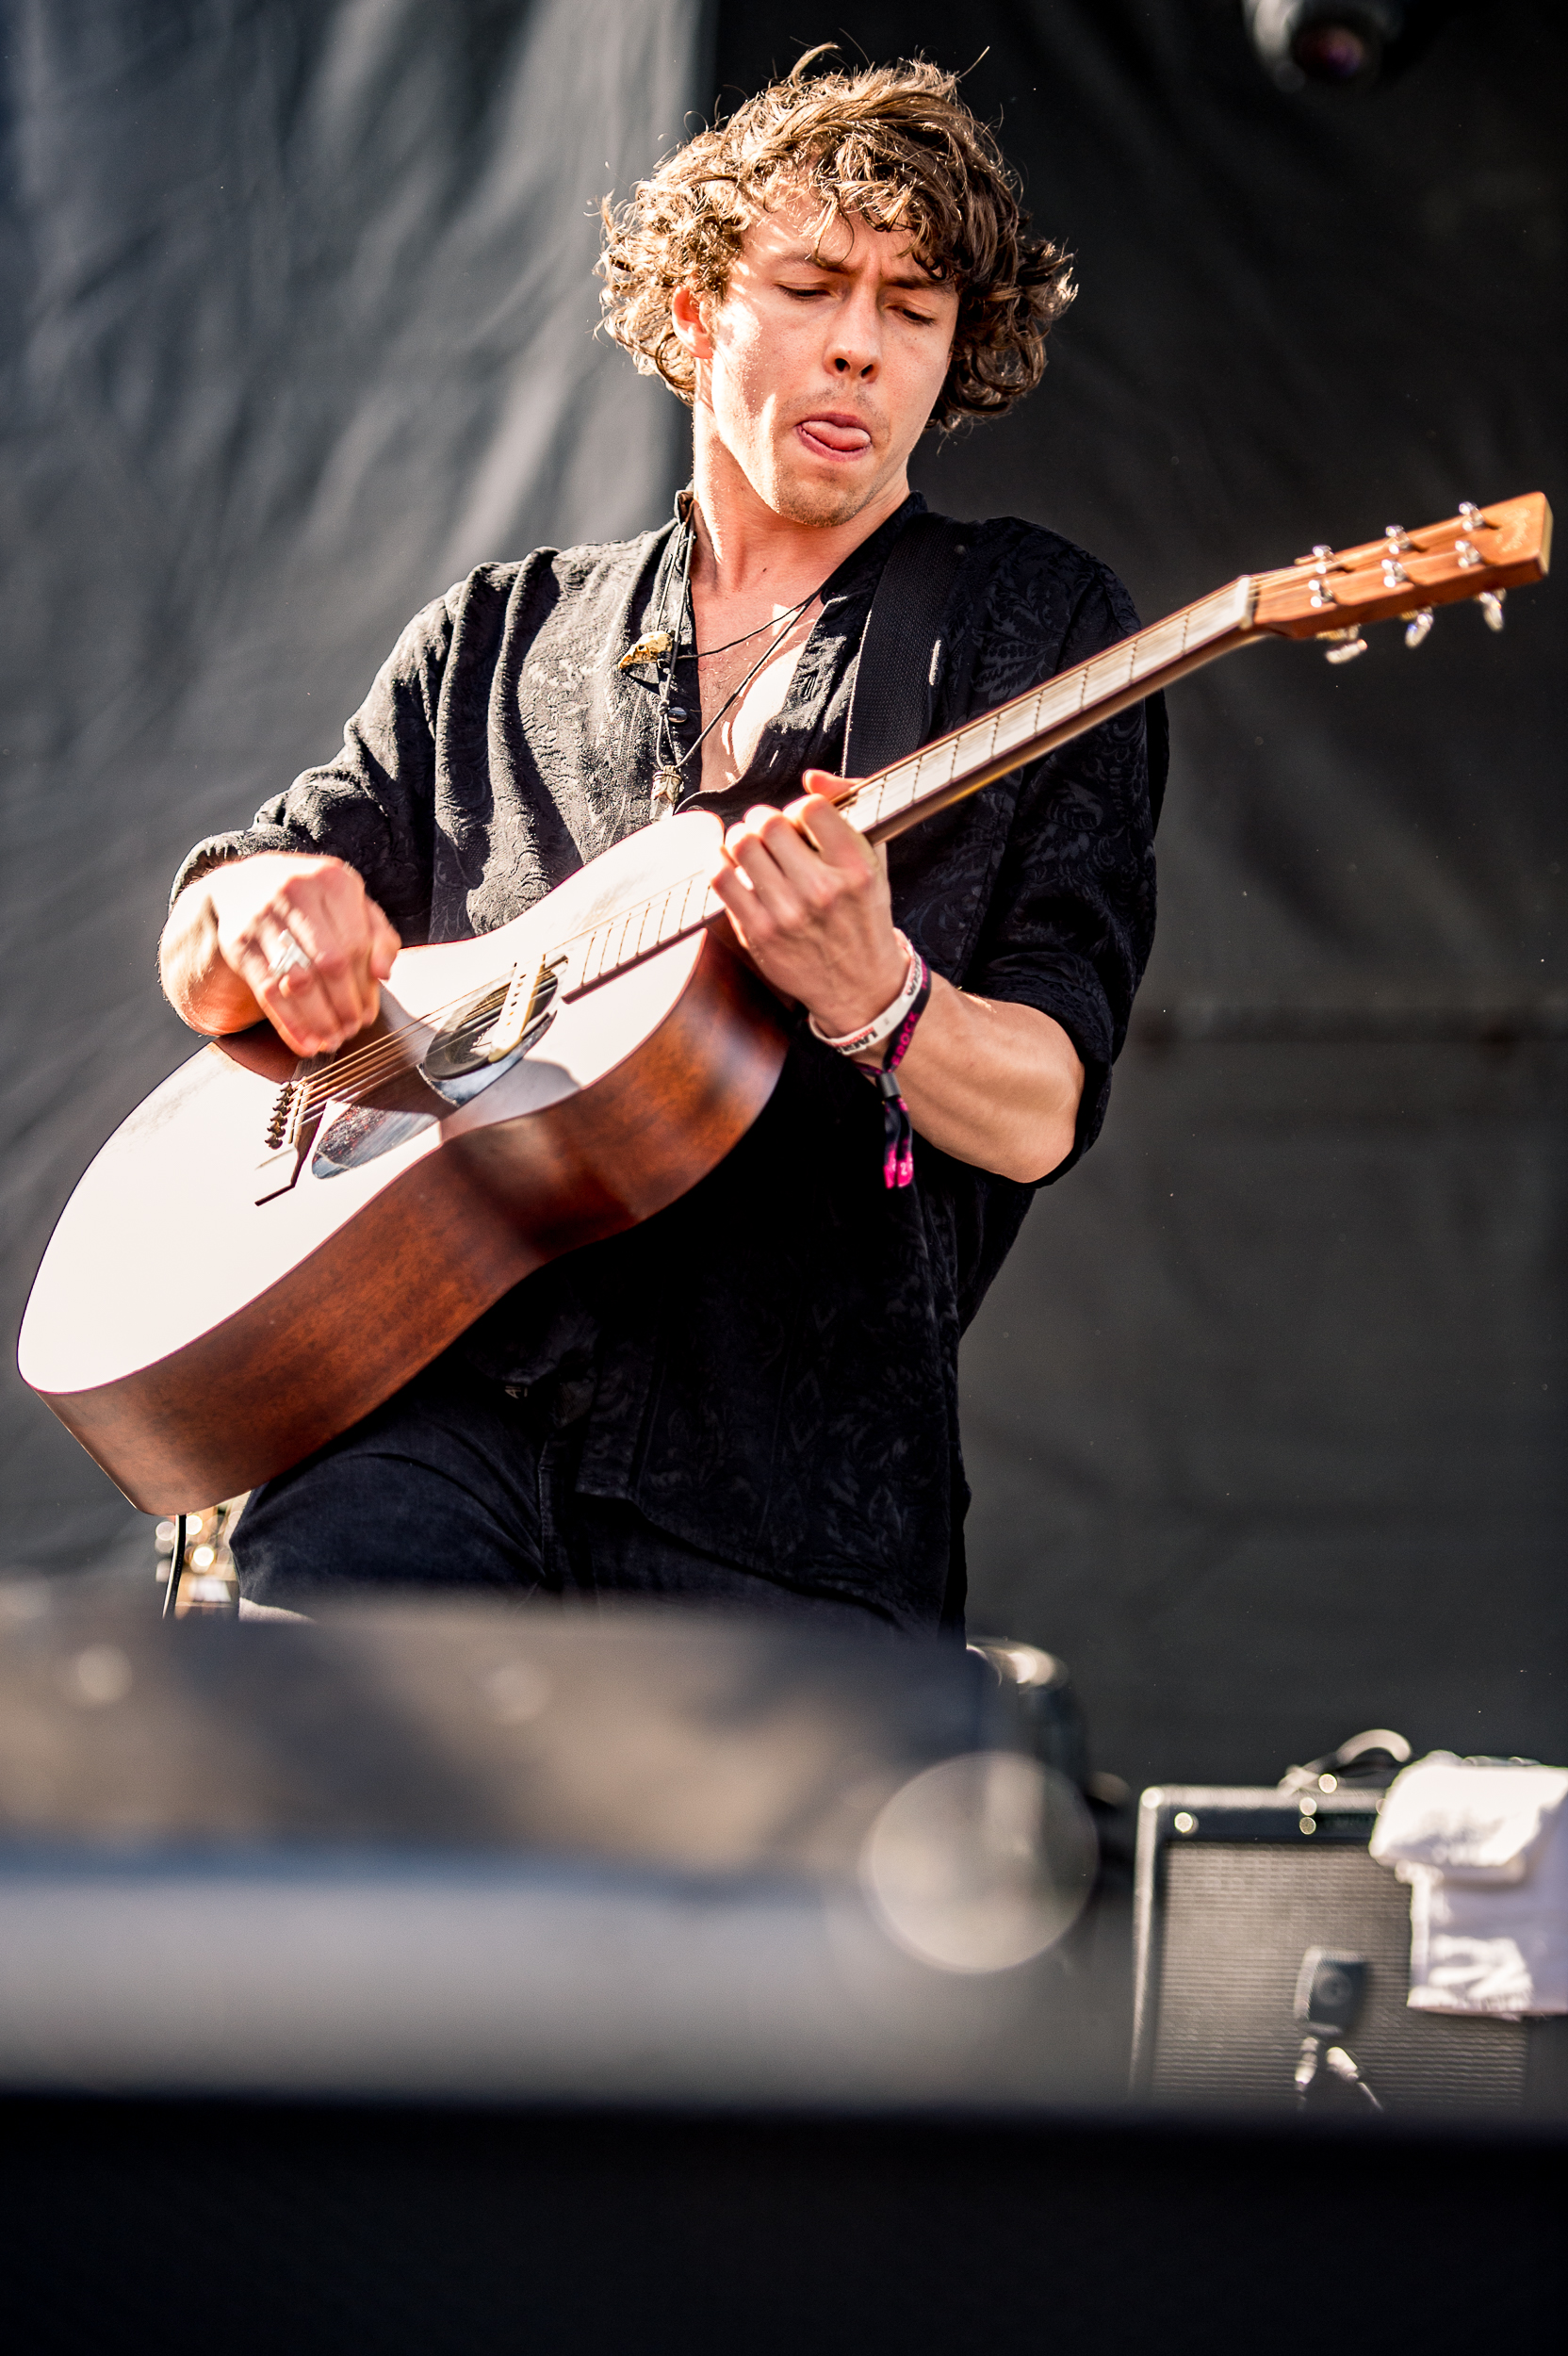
283,1159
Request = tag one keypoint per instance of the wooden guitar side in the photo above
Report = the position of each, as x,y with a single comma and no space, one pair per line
288,1364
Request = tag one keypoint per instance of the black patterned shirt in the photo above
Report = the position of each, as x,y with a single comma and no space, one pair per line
767,1369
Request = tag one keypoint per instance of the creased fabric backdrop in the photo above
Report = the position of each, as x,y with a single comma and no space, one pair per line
1265,1418
298,328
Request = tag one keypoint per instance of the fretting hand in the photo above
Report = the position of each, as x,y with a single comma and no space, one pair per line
808,896
989,1082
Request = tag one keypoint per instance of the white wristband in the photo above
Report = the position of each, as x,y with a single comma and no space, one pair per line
886,1023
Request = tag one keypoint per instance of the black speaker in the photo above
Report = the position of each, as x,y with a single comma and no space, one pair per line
1272,1968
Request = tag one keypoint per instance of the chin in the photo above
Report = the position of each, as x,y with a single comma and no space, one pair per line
822,503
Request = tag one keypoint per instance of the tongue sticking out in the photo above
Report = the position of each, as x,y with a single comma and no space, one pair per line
845,440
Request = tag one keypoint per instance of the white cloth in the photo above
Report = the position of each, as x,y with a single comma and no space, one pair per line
1483,1844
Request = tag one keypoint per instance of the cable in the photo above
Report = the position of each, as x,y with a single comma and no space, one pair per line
1345,2067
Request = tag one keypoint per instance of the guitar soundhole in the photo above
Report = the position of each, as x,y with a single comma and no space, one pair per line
459,1050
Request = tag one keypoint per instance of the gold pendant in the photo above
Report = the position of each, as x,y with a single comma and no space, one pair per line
646,650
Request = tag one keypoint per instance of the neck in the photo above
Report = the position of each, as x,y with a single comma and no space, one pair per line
746,548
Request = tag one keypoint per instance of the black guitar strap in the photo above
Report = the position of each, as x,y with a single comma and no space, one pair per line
901,654
900,666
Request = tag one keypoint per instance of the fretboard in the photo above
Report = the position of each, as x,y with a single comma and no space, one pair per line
957,765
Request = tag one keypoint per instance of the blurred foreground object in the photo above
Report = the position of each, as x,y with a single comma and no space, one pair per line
1268,1939
500,1849
981,1863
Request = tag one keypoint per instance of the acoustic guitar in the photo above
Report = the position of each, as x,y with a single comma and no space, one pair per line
267,1250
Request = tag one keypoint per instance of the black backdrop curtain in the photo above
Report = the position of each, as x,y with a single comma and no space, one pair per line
298,328
1264,1418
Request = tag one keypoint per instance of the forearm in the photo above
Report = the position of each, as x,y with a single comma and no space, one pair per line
993,1084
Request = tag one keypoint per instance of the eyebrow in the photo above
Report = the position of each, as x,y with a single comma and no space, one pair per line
917,279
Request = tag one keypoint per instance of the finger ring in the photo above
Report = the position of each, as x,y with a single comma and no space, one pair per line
287,956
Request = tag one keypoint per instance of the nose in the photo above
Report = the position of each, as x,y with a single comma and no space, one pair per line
855,346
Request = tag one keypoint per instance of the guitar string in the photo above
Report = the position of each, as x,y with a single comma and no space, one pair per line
383,1058
380,1058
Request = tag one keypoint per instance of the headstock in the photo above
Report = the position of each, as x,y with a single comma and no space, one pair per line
1480,552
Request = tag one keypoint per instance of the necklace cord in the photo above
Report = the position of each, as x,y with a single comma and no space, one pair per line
672,761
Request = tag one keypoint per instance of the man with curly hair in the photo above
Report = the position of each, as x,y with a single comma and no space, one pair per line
750,1399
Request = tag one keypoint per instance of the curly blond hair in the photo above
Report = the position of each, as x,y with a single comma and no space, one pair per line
896,147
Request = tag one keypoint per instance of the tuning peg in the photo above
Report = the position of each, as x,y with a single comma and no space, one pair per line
1320,598
1343,645
1491,603
1418,627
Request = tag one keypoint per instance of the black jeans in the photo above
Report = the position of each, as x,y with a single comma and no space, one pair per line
458,1483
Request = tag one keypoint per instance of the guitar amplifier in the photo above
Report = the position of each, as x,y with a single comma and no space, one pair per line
1249,1904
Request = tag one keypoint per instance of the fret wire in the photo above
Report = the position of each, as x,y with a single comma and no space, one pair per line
604,963
616,942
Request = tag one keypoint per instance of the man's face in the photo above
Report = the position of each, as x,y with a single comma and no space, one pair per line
818,368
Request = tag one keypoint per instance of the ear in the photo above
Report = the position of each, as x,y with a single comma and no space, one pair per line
686,319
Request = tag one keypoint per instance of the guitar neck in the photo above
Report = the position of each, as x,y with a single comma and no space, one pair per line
955,766
1036,723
